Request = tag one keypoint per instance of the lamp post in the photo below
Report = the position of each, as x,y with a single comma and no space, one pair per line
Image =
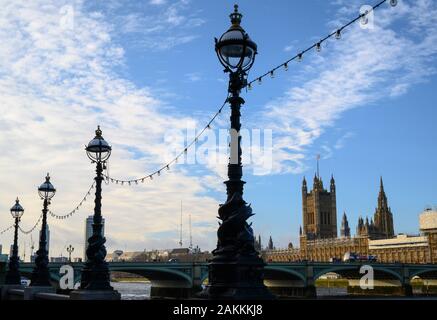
236,270
70,250
40,274
95,280
13,275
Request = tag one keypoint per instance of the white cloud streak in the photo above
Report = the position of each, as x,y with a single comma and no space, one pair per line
364,67
56,85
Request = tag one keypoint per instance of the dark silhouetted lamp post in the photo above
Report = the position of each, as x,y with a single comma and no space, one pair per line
13,275
40,274
95,280
236,270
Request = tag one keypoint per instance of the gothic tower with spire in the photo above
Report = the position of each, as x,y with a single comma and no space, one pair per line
383,218
345,231
319,210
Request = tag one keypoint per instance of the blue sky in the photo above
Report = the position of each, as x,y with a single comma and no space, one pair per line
144,68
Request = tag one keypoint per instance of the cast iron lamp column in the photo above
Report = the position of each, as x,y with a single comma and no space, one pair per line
13,275
40,274
95,274
236,270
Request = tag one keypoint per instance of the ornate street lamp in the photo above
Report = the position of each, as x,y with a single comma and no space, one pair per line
95,280
70,250
236,270
13,275
40,274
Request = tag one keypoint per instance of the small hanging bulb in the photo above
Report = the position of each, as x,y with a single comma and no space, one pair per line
393,3
286,66
272,74
142,180
129,182
168,168
249,87
136,181
338,34
122,182
364,19
176,160
151,177
299,57
259,80
318,47
185,151
208,126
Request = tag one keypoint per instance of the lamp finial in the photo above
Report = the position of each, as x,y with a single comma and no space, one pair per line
236,16
98,131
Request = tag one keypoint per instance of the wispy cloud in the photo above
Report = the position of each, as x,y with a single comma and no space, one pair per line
366,66
158,2
193,76
56,85
155,25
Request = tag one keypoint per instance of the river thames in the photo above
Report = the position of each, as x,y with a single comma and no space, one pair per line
141,290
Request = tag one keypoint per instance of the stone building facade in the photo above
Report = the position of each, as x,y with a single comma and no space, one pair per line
319,210
319,242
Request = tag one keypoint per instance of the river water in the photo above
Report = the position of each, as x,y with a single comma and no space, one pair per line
141,290
133,290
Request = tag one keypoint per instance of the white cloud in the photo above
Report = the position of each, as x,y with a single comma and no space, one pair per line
163,28
193,76
56,85
157,2
365,66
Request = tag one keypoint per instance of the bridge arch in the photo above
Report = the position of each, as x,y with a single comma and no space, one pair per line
425,273
158,276
283,271
353,270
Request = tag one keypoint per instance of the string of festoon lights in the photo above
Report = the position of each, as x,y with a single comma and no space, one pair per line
166,167
318,46
76,209
31,229
363,17
57,216
7,229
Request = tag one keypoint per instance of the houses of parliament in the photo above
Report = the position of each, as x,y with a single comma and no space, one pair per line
319,240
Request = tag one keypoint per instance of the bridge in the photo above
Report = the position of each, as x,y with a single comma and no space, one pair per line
285,279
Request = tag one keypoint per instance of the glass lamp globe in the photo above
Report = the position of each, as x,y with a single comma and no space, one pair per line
98,149
235,50
17,210
46,189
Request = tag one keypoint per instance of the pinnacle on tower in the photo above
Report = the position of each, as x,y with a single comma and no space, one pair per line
270,245
345,230
383,218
